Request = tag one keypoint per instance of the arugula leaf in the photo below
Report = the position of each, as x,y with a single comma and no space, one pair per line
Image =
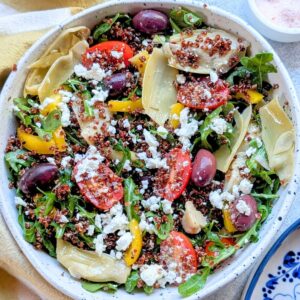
47,200
132,281
22,110
183,18
52,121
194,283
259,66
126,155
106,26
148,289
93,287
240,72
131,198
46,242
75,84
88,109
19,159
72,201
59,230
163,231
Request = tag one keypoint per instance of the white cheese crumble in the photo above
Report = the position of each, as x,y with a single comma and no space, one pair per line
146,225
150,139
187,128
65,114
126,123
111,129
180,78
124,241
243,208
213,76
96,72
151,273
99,95
219,125
90,230
113,122
51,160
65,162
99,244
220,199
162,132
46,102
127,165
98,221
250,151
167,206
20,201
139,127
63,219
145,185
116,54
89,164
245,186
152,203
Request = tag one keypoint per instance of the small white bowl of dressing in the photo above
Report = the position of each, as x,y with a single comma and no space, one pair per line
278,20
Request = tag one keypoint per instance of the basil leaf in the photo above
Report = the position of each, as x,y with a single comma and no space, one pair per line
183,18
52,121
131,198
19,159
132,281
93,287
164,229
259,66
194,283
106,26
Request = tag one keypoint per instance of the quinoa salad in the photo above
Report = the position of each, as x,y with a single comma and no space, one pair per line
149,149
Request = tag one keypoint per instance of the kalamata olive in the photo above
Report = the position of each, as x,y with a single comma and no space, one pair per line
204,168
41,175
150,21
116,83
243,212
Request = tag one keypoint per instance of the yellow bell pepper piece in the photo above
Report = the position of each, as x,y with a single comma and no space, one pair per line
227,221
140,61
175,113
251,96
52,105
133,252
35,143
125,106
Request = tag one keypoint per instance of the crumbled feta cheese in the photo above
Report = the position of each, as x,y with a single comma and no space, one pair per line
213,76
180,78
65,114
51,160
146,225
169,277
139,127
65,162
243,208
245,186
151,273
116,54
220,199
162,132
145,185
46,102
152,203
66,96
124,241
187,128
63,219
145,43
250,151
113,122
111,129
89,164
150,139
78,157
167,207
99,95
96,72
90,230
20,201
153,163
207,94
98,221
219,125
127,165
126,123
99,244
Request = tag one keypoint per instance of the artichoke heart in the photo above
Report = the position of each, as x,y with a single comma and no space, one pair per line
205,51
89,265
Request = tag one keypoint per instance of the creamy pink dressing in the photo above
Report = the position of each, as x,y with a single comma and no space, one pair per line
284,13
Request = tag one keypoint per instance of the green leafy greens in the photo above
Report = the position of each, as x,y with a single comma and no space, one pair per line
131,198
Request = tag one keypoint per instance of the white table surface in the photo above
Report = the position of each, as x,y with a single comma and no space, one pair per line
290,55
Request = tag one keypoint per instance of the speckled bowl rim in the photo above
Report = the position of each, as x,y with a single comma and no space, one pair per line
252,251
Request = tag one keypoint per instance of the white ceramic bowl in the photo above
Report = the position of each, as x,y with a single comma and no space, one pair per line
267,28
48,267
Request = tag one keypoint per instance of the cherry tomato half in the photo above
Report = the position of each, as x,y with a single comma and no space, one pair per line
226,241
108,47
103,190
178,249
203,93
177,176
